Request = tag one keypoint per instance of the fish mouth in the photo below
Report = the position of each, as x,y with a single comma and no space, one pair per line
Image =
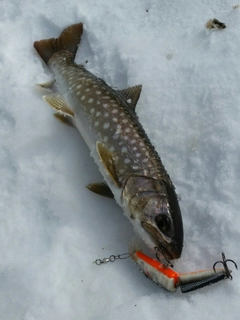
164,252
167,247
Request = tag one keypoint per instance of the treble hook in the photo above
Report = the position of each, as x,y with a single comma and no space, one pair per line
224,263
169,263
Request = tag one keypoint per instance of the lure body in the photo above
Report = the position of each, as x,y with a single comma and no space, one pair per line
170,279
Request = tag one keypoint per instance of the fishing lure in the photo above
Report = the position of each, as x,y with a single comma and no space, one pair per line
169,279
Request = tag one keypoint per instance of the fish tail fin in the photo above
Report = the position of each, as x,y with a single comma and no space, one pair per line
68,40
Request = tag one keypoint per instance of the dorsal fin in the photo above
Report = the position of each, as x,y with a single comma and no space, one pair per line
68,40
132,94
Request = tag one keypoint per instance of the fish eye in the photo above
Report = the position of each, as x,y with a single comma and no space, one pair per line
163,222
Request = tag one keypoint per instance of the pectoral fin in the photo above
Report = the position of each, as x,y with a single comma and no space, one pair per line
132,94
57,102
101,188
106,158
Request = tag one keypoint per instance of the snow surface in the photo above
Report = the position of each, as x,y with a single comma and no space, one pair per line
51,227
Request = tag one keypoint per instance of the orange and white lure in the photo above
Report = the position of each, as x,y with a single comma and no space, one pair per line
170,279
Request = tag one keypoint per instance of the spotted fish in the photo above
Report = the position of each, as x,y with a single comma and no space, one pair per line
107,121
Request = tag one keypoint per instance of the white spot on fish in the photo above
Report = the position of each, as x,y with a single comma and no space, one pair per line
115,111
105,139
124,149
125,137
92,110
145,160
98,92
106,125
125,121
96,123
83,97
138,154
112,148
133,141
98,114
87,90
105,105
127,130
127,160
135,167
119,129
90,100
79,86
106,114
115,136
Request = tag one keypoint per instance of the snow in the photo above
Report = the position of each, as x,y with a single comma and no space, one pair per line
51,227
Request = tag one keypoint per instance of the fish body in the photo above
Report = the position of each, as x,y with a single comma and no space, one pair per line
108,123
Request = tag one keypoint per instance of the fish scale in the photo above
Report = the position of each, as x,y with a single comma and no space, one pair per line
108,123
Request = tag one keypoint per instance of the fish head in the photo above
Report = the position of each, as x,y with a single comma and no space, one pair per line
158,221
155,211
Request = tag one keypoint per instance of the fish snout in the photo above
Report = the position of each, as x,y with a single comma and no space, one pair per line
175,249
170,250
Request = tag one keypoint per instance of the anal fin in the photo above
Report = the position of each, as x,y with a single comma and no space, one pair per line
48,85
57,102
101,188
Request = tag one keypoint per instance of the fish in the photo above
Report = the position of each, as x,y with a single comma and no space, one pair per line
107,120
